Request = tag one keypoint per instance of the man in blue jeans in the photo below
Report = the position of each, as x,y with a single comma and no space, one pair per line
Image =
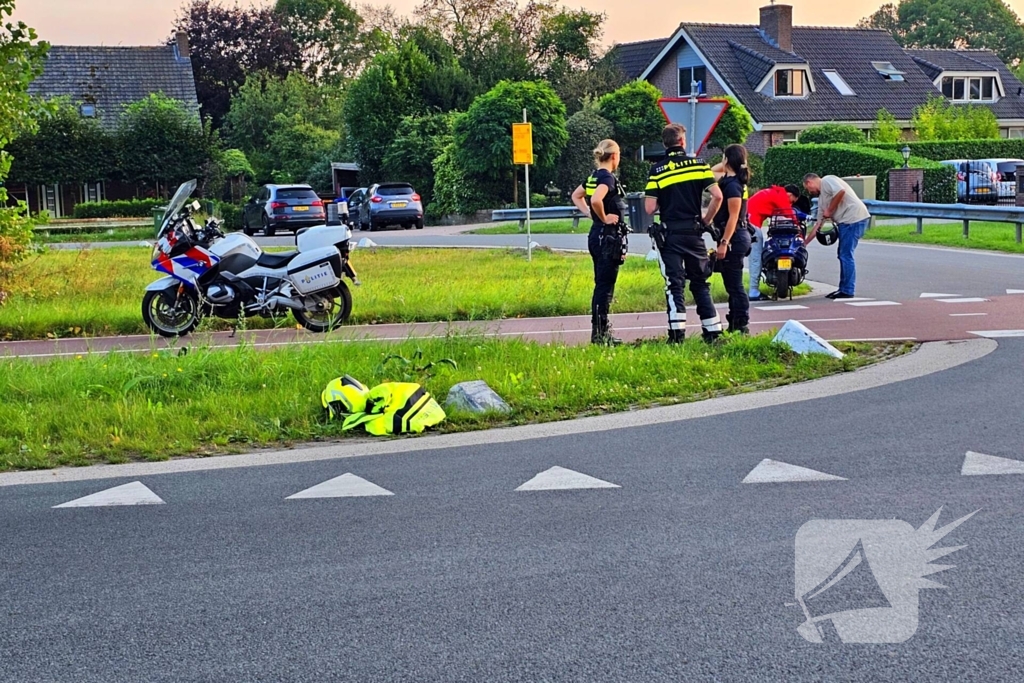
838,201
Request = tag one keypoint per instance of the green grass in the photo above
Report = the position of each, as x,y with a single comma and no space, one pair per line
560,227
156,405
991,236
99,291
107,235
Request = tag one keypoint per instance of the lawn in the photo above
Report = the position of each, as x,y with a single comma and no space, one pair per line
152,406
99,291
108,235
992,236
560,227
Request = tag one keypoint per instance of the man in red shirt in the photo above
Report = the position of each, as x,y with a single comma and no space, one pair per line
761,206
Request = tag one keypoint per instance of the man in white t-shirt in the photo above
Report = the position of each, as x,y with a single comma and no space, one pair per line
838,201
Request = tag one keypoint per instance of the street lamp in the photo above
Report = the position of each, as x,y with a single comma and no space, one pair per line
906,156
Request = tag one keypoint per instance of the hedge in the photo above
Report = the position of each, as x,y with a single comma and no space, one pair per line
231,214
789,164
942,150
129,208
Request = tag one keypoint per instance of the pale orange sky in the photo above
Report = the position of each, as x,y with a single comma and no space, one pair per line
147,22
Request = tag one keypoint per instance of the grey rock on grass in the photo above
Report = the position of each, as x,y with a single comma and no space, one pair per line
475,397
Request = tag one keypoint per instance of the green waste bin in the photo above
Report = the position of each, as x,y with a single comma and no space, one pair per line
158,217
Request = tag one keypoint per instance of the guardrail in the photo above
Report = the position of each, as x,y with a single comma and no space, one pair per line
955,212
542,213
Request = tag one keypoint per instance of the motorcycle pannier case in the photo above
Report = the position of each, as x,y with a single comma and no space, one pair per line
313,271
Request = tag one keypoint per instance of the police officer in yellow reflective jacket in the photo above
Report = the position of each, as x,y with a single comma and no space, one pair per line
676,187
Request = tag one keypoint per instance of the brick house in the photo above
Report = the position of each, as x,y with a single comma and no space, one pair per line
102,81
792,77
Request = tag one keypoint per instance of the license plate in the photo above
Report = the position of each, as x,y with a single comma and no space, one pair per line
785,264
399,205
300,208
982,190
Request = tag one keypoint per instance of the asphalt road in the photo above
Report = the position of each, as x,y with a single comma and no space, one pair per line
682,573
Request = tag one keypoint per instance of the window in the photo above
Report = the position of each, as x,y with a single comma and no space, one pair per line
687,75
835,79
789,83
790,136
88,111
887,71
1013,133
970,88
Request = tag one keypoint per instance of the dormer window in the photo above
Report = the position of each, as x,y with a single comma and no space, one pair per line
887,71
87,111
789,83
969,88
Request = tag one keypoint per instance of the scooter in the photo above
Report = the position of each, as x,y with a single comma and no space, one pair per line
784,259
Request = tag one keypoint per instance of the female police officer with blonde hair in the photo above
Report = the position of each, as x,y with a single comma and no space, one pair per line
601,197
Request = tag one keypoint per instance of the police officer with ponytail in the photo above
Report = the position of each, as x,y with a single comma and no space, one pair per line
734,245
601,197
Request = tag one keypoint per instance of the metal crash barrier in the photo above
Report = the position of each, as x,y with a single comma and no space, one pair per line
953,212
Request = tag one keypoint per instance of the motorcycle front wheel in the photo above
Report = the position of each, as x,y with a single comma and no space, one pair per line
333,308
169,313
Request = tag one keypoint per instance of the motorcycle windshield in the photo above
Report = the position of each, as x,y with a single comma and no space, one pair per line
177,202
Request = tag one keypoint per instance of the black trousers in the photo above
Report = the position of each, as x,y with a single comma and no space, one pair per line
732,277
606,252
683,257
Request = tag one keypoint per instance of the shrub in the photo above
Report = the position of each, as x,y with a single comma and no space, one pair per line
734,128
939,119
958,149
231,214
789,164
586,128
633,110
128,208
886,129
832,133
633,174
454,192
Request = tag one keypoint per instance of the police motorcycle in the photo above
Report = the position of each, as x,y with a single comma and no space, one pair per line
784,258
208,273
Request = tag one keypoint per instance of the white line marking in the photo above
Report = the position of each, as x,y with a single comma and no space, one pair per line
965,315
1015,291
791,307
559,478
998,334
872,339
858,298
135,493
976,464
347,485
933,295
770,471
964,300
869,303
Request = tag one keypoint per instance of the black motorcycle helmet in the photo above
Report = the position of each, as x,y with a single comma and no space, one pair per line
828,235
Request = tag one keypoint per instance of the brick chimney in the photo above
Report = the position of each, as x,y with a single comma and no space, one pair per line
777,23
181,40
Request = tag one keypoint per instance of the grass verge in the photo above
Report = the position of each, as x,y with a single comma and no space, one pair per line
106,235
559,227
991,236
96,292
154,406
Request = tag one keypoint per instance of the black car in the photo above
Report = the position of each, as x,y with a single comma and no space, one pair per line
282,207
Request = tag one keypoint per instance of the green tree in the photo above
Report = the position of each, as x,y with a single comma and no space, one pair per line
329,35
886,129
66,148
586,128
419,140
21,61
938,119
633,110
831,133
958,24
455,190
483,135
162,143
734,128
297,144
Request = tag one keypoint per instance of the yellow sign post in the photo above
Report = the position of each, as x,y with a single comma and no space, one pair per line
522,153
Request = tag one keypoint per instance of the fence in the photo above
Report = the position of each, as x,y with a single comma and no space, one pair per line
956,212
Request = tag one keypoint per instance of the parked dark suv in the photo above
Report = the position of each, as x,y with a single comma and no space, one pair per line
387,204
282,207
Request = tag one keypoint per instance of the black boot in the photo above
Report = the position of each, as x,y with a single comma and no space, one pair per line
737,327
711,337
601,332
676,336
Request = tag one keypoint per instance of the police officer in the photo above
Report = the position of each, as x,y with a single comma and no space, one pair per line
734,245
601,197
676,187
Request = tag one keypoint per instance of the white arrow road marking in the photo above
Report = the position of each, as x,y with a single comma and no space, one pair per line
934,295
347,485
1015,291
997,334
135,493
559,478
964,300
850,302
770,471
980,464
